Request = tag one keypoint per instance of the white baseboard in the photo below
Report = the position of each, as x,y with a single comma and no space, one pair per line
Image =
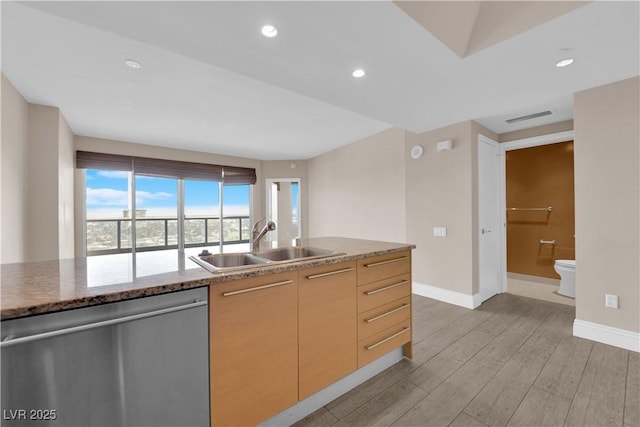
607,335
445,295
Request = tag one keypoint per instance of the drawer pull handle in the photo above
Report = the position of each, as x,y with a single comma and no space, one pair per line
372,346
257,288
386,288
330,273
389,261
380,316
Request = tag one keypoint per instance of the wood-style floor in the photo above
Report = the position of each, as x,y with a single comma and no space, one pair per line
511,362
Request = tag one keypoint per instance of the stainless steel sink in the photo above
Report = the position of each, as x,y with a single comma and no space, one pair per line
295,253
218,263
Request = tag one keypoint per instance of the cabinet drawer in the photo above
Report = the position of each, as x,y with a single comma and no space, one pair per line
378,293
381,267
383,342
383,317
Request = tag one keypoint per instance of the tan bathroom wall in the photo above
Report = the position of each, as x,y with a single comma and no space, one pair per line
607,174
539,177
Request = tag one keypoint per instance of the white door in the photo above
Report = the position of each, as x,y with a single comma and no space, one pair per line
489,247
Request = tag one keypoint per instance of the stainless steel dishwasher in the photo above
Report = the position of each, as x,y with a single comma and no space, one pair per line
141,362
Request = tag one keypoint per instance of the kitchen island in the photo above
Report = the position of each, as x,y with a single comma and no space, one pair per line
284,338
33,288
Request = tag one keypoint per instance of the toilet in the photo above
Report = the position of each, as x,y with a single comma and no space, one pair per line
566,268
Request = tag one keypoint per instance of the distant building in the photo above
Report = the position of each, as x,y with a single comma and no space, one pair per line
140,213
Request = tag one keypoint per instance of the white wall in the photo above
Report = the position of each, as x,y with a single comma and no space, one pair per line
607,188
13,152
359,190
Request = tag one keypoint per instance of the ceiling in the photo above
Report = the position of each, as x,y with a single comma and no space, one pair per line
211,82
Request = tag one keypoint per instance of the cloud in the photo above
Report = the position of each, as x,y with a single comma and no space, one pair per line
107,197
112,197
144,196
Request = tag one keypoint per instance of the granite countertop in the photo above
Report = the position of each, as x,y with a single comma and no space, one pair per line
44,287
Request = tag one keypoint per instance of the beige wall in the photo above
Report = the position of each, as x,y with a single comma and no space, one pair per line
359,190
439,194
355,192
37,181
283,169
42,165
442,192
607,180
13,152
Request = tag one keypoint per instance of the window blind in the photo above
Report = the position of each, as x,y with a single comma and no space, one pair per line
166,168
234,175
177,169
88,160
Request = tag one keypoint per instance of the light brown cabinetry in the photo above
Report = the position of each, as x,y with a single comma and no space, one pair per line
277,339
384,305
254,348
327,325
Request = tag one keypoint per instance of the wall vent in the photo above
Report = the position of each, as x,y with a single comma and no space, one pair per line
529,117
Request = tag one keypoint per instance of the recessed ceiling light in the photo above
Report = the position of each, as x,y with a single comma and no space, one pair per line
358,73
564,62
132,63
269,31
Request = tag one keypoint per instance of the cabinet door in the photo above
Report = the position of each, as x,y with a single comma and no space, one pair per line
328,325
254,348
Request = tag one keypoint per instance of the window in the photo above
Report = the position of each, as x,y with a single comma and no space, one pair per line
156,213
108,226
236,218
186,206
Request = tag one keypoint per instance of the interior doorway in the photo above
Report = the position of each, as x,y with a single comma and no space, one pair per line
530,243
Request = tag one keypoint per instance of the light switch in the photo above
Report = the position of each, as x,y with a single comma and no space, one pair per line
440,231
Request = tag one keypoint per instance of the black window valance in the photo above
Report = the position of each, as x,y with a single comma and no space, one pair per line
166,168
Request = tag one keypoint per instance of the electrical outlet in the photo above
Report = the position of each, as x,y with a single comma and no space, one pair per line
611,301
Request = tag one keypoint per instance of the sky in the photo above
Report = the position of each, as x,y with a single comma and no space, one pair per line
107,196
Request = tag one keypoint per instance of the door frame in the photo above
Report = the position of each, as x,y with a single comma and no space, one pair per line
536,141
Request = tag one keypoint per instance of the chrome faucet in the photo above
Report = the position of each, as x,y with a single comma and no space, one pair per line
256,236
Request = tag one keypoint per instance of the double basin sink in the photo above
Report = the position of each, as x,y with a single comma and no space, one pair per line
217,263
